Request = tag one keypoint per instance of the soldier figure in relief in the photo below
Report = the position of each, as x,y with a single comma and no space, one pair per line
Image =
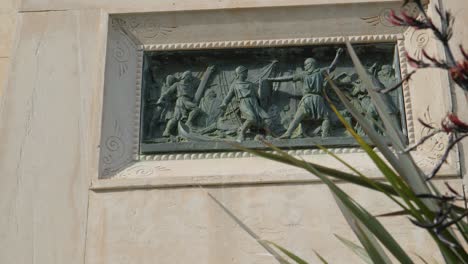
249,106
164,110
362,101
312,105
185,108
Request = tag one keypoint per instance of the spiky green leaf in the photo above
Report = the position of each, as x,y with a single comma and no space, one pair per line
358,250
322,259
372,247
288,253
249,231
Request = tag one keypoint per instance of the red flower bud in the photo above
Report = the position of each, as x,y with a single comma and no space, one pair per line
452,123
465,54
459,74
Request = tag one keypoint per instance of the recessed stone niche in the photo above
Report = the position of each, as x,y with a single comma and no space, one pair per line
175,94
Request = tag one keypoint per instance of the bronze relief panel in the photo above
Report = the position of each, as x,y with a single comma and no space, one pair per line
200,100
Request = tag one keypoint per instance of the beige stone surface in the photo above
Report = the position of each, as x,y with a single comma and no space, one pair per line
4,66
120,127
259,24
185,226
9,5
460,8
7,30
7,33
235,171
46,145
124,6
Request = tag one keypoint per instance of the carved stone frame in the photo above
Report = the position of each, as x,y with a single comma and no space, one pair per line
121,165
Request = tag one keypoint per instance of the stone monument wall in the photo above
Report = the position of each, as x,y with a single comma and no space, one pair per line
74,186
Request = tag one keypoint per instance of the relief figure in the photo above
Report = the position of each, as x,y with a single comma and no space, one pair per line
186,110
312,105
357,93
164,109
361,100
251,111
210,106
386,76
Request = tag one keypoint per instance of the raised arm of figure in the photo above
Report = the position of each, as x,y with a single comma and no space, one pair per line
332,66
281,79
373,69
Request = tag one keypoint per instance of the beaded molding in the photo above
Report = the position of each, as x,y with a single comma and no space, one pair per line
406,91
398,38
139,86
239,154
271,42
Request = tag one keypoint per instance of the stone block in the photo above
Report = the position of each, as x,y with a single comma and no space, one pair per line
44,153
9,5
7,32
185,226
4,66
123,6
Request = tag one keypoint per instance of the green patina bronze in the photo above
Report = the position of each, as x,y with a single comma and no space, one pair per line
201,100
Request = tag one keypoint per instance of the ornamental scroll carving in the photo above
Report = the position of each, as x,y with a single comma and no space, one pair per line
419,40
196,100
113,152
382,19
141,170
435,146
144,27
